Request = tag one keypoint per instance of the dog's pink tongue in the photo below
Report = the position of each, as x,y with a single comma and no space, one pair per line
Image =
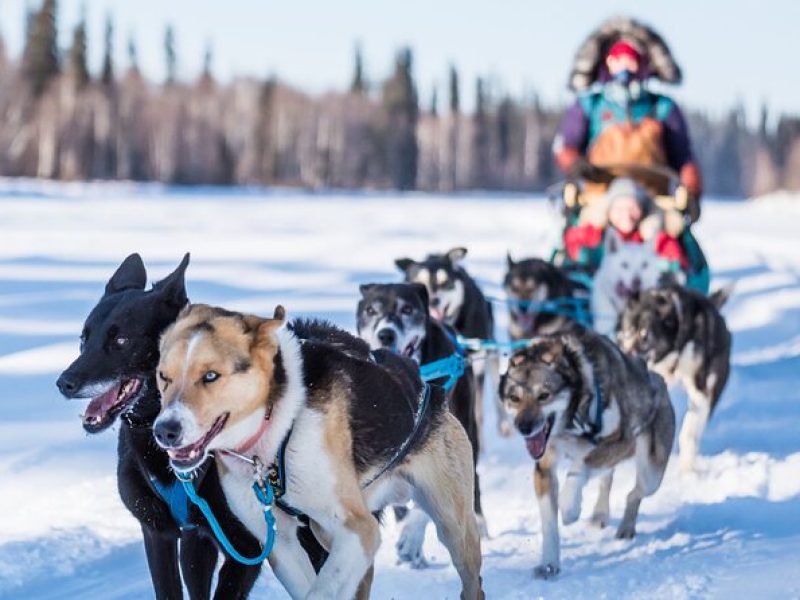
99,406
537,443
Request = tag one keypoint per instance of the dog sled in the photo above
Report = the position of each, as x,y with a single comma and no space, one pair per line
581,201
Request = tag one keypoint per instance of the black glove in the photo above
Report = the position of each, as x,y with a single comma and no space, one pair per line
583,169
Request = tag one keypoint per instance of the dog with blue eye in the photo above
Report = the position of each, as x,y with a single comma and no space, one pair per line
575,397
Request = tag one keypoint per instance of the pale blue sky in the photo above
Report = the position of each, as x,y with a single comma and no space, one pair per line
730,49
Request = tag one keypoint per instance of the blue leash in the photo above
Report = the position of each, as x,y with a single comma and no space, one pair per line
451,367
264,495
573,308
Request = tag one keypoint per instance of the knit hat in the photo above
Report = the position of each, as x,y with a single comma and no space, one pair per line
625,48
625,187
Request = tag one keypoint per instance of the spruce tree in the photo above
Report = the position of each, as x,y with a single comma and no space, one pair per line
77,54
169,51
208,57
107,76
401,106
480,140
434,102
41,60
505,117
358,86
133,54
455,102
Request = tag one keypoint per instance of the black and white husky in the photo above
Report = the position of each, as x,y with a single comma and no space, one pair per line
684,338
395,317
575,396
455,299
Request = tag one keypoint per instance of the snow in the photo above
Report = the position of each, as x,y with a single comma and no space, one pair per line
730,530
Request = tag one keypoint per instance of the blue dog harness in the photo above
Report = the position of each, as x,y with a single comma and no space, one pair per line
175,497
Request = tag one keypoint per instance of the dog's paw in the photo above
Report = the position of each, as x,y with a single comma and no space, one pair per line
505,428
548,571
626,531
600,519
409,547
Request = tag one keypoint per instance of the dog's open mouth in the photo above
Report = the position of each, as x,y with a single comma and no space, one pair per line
103,409
191,456
411,347
536,442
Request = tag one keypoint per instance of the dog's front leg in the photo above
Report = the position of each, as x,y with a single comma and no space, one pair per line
289,561
354,542
545,485
694,424
569,499
162,558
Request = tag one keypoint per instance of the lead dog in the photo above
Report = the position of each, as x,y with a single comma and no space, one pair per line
394,316
116,370
456,300
344,416
684,338
576,396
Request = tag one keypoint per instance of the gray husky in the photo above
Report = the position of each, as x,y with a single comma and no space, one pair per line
575,396
683,337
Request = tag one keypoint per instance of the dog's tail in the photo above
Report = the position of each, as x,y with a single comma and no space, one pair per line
720,297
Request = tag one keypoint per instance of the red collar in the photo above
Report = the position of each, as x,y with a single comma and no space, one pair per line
253,439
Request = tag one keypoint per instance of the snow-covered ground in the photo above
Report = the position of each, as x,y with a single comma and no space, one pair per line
731,530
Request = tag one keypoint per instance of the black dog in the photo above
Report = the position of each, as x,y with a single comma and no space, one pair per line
116,369
456,300
542,299
684,338
395,316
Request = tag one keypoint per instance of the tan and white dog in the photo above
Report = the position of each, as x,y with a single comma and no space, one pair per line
345,416
575,396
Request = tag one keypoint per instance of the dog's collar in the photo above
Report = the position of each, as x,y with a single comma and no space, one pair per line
253,439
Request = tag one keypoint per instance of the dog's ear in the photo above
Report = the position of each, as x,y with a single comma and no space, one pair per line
365,288
279,314
422,292
173,286
509,261
721,296
130,275
612,241
404,264
553,352
456,255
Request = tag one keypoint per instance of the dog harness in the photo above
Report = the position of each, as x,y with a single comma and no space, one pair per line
451,367
270,486
401,452
175,497
589,430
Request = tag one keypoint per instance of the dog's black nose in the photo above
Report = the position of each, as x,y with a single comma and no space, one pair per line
67,384
527,426
434,302
168,432
387,337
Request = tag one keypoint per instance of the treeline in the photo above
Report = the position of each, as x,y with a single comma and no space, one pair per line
60,121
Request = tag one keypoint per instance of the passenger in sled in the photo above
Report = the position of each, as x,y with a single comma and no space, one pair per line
619,127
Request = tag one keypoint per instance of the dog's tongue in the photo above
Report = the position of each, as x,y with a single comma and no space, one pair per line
437,314
99,406
536,443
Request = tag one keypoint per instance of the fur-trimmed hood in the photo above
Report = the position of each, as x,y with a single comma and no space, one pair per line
657,60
